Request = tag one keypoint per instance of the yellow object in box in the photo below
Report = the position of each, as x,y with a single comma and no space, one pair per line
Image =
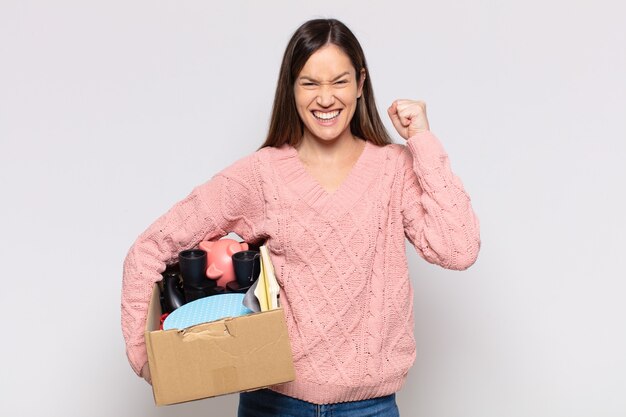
222,357
267,288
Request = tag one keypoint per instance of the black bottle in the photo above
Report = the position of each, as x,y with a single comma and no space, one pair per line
193,264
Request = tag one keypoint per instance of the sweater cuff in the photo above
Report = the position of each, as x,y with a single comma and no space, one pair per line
427,149
430,161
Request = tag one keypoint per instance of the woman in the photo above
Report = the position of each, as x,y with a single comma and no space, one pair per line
334,200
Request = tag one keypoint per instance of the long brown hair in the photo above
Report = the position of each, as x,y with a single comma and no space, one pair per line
285,123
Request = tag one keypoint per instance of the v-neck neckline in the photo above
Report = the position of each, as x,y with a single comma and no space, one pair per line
346,176
308,188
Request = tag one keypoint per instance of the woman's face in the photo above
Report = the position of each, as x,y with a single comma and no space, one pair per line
326,94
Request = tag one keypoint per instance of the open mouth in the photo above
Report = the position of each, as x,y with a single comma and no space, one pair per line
326,116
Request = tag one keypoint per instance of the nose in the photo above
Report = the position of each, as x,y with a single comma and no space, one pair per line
326,96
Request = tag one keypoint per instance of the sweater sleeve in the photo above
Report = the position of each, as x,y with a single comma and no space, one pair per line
437,213
231,201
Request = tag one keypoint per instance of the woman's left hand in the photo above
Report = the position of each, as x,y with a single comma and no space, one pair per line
408,117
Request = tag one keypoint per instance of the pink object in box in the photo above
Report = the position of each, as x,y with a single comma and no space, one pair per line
219,259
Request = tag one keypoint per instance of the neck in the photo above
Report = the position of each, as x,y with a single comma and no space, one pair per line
316,151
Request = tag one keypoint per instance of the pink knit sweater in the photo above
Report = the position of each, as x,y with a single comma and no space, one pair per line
339,257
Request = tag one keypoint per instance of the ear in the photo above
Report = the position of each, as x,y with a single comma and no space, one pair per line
206,245
362,76
233,248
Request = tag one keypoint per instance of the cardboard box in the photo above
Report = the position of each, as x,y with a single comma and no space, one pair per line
222,357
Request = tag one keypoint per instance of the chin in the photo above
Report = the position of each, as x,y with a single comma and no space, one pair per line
326,134
326,137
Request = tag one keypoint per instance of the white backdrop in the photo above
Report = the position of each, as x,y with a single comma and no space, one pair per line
112,111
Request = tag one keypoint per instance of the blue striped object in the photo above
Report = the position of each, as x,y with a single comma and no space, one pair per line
206,309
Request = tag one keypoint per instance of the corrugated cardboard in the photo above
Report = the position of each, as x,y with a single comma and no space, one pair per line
221,357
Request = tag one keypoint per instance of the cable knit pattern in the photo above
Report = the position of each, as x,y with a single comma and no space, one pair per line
339,257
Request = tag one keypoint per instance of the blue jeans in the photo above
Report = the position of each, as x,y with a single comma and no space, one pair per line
267,403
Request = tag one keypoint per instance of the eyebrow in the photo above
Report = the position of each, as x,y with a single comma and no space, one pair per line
334,79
